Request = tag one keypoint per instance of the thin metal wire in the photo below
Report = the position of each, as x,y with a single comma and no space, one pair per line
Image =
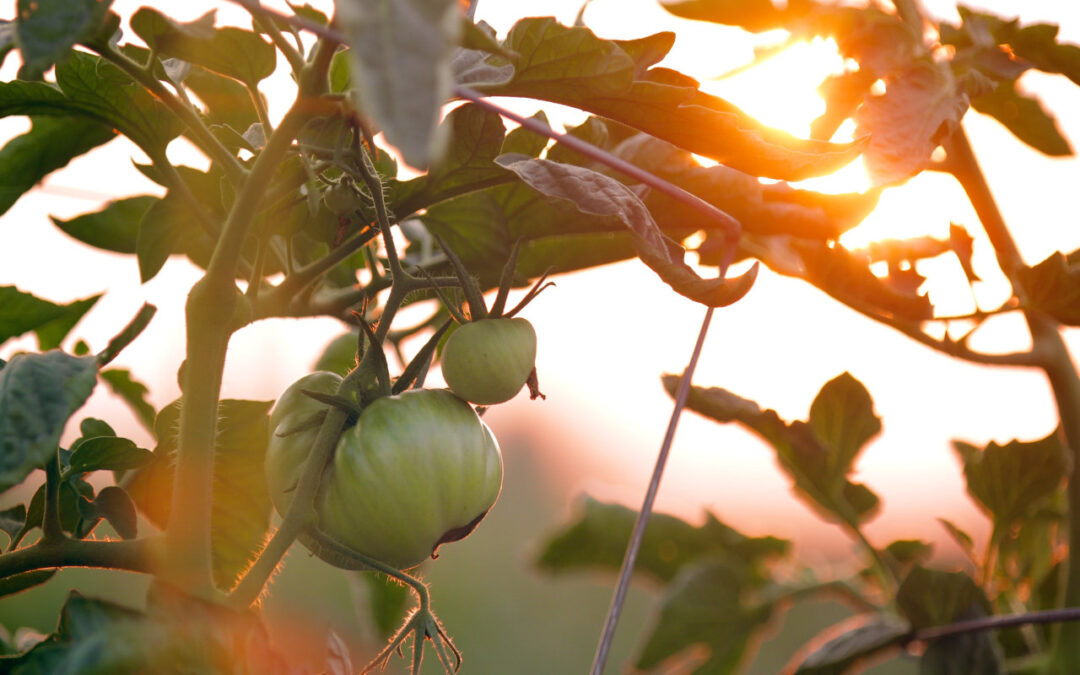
627,569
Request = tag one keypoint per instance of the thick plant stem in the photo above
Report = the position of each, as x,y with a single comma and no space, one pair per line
1054,359
135,555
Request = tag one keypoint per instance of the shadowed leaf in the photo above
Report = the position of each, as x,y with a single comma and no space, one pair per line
1053,287
22,312
845,651
114,228
1025,117
47,29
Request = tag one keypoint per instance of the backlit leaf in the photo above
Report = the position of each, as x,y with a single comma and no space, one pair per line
1025,117
20,582
108,453
596,194
819,469
47,29
1009,481
753,15
113,228
401,52
22,312
1053,287
929,597
919,109
38,394
229,51
598,539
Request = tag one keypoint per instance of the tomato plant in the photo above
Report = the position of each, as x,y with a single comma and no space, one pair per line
307,213
415,471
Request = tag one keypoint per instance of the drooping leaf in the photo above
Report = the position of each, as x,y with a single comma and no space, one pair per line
22,312
881,633
1025,117
596,194
113,228
132,392
229,51
401,53
1053,287
598,540
169,226
387,600
475,140
706,606
1010,481
818,466
241,512
919,109
95,636
47,29
38,393
571,66
108,453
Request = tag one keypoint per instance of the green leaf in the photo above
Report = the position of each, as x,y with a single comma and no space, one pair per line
95,636
108,453
1038,45
103,92
12,520
705,607
340,355
21,312
169,226
476,139
241,511
935,598
115,506
21,582
229,51
842,416
132,392
573,67
1010,481
930,597
401,53
38,394
50,144
755,16
598,538
1026,118
113,228
226,100
964,540
46,30
819,467
920,107
8,43
596,194
1053,287
839,654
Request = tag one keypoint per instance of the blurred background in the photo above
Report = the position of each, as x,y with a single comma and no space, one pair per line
605,337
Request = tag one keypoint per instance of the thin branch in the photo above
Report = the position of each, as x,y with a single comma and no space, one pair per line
630,558
997,623
135,555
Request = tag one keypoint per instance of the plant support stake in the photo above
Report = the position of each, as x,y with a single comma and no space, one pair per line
630,557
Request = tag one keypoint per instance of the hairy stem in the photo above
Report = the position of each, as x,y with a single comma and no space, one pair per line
136,555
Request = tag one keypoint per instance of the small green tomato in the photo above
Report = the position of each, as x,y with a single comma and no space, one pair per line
488,361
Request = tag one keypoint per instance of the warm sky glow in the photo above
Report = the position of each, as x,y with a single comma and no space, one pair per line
606,335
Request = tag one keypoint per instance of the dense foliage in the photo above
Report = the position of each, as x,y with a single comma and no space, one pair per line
307,216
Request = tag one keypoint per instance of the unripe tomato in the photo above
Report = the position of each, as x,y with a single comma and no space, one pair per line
416,471
488,361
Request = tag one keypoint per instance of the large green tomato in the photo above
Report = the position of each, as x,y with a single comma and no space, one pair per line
416,471
488,361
